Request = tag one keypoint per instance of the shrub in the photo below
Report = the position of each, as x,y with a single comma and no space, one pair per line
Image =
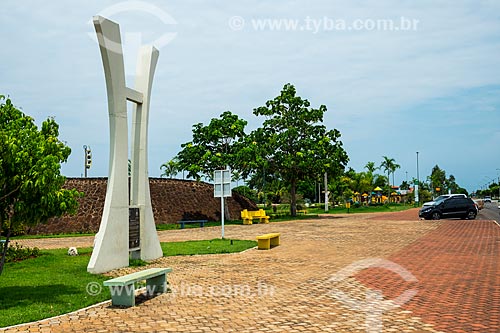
247,192
16,252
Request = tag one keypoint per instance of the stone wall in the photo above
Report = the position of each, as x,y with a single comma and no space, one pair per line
172,201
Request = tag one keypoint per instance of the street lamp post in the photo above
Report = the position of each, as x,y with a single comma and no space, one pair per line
417,185
488,183
498,176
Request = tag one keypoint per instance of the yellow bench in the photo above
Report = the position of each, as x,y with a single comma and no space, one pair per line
302,211
248,216
264,242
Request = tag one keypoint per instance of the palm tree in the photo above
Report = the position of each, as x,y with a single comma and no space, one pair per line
171,168
370,166
395,166
388,165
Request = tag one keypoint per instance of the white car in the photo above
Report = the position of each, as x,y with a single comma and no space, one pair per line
442,197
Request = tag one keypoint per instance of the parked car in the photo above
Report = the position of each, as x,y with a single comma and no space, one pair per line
487,199
442,197
460,207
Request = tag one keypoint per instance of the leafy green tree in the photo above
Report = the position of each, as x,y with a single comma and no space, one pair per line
404,185
379,180
308,189
30,180
451,184
438,179
359,181
293,143
170,168
246,191
371,177
214,146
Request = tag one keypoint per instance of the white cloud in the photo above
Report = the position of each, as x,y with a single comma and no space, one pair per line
370,80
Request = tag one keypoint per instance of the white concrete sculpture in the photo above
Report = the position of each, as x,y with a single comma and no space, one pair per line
111,244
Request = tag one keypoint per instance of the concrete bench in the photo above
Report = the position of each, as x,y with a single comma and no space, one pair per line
123,288
201,222
265,242
249,215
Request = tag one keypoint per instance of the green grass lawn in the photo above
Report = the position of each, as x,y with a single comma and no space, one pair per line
361,209
55,283
175,226
52,284
206,247
293,218
51,236
313,212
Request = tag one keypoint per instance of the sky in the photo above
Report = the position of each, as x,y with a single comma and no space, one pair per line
397,77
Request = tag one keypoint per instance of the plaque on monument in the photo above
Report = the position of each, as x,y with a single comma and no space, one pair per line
134,228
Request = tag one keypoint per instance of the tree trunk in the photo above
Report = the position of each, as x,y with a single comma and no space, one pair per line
227,213
389,181
4,252
293,198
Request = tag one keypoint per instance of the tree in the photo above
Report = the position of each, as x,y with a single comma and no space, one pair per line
451,184
293,143
171,168
30,180
388,164
370,167
404,185
438,179
395,166
214,146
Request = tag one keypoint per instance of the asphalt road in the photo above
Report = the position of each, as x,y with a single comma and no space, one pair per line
489,212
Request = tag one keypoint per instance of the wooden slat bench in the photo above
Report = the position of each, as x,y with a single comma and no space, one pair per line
123,288
201,222
265,242
249,215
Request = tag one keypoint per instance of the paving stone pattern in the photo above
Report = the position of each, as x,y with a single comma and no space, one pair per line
295,287
458,274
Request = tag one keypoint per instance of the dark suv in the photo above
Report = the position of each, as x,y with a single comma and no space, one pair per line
450,207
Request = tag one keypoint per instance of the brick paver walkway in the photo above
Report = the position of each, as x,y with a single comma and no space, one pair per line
458,274
300,286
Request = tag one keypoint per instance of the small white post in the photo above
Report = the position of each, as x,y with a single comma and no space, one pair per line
222,215
326,192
